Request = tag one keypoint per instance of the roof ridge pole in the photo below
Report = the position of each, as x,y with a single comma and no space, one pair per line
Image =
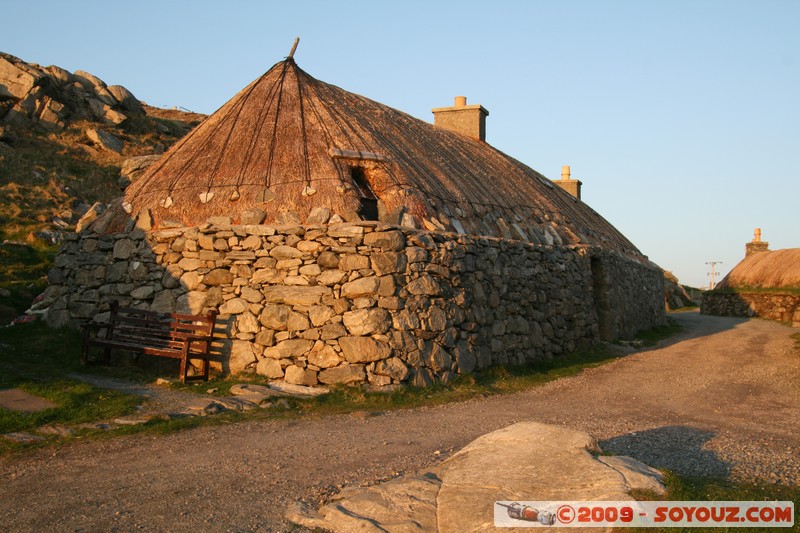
294,47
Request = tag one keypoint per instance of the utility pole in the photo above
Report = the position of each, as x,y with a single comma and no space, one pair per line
713,274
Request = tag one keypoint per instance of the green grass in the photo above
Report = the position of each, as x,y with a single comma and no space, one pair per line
685,488
36,358
23,271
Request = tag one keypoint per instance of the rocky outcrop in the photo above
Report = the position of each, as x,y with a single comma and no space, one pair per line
525,461
134,167
51,97
675,296
361,302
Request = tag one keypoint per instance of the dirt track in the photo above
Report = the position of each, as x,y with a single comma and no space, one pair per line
722,399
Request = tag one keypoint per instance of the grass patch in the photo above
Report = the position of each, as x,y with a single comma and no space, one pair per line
37,359
76,403
492,381
651,337
23,271
796,338
685,488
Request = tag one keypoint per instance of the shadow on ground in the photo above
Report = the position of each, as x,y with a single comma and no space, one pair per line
680,449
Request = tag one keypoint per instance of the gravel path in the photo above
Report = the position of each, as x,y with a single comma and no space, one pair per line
722,399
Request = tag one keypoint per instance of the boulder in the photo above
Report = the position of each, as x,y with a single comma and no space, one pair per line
15,81
126,99
527,460
104,140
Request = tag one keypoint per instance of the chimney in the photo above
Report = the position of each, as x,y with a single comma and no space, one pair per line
756,245
568,184
469,120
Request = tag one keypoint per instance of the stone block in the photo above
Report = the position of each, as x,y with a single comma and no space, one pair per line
331,277
324,358
367,321
275,316
353,262
296,295
361,287
218,276
328,259
346,373
363,349
289,348
394,367
386,240
424,285
241,357
270,368
388,263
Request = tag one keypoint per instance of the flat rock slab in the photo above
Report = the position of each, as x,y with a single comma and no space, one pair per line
22,402
522,462
22,437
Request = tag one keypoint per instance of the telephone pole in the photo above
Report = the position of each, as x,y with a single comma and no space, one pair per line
713,274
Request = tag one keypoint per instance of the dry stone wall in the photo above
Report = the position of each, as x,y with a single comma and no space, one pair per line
355,302
783,307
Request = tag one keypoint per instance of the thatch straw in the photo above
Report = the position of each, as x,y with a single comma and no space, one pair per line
292,134
777,269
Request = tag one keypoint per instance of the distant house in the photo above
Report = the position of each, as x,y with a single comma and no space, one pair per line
347,241
765,283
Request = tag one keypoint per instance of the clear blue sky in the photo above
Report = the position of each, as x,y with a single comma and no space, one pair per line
681,117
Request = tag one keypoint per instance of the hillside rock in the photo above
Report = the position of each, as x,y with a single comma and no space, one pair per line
675,296
51,97
133,167
104,140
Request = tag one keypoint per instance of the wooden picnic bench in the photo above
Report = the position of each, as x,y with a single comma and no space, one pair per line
173,335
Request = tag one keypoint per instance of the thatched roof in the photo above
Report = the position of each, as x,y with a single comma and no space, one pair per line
287,143
777,269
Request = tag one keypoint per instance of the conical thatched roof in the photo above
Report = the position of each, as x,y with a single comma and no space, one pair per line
775,269
287,143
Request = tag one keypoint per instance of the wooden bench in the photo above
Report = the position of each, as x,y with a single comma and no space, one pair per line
172,335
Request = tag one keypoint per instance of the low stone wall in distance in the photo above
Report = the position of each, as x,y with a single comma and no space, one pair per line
357,302
777,305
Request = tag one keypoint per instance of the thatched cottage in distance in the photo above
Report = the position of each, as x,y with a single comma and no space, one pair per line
766,283
342,240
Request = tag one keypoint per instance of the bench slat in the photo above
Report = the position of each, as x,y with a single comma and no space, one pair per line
173,335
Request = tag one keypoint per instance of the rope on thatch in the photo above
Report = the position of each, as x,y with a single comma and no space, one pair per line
304,135
275,125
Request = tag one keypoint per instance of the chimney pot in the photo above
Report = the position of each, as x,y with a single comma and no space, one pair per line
756,245
568,184
469,120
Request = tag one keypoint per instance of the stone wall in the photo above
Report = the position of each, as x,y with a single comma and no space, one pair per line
783,307
360,302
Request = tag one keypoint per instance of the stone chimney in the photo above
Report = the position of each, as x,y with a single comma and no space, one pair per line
756,245
469,120
568,184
